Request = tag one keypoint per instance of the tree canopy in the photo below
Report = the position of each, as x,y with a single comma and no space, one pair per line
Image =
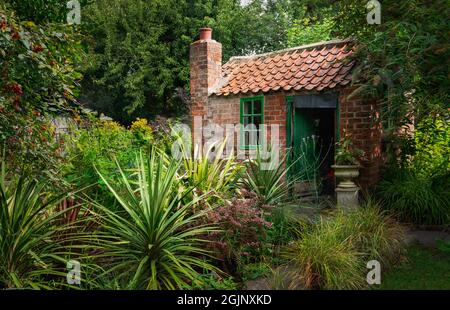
137,64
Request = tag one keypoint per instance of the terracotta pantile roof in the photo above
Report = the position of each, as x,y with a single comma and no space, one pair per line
311,67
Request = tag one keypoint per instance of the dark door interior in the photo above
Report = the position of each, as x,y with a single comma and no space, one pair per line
313,141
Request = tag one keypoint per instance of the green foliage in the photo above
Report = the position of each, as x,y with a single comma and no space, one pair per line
143,133
421,269
31,247
37,64
101,144
404,60
255,271
43,11
209,172
332,253
346,152
268,180
36,149
308,31
152,242
444,246
254,28
283,226
139,57
38,79
212,281
417,198
432,145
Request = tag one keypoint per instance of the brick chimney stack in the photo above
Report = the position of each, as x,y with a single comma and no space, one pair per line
205,68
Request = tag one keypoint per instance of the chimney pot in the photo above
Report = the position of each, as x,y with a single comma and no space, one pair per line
205,33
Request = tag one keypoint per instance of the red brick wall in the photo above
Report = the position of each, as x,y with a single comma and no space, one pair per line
275,113
205,72
360,119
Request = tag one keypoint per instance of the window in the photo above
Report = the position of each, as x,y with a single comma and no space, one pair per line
252,118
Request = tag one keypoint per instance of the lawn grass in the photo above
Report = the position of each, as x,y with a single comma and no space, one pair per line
425,268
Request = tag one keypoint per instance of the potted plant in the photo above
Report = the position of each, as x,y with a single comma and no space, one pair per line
347,162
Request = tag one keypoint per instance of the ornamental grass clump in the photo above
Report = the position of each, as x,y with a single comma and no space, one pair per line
416,198
333,253
322,259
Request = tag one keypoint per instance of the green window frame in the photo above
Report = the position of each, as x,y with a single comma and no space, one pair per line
251,112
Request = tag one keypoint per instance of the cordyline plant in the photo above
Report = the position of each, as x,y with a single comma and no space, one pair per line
210,172
270,184
32,245
152,241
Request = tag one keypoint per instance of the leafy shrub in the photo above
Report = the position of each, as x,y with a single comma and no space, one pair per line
143,133
152,241
332,253
432,145
31,248
100,144
283,226
38,80
255,270
212,281
417,198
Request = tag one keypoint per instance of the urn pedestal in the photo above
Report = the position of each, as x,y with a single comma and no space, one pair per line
347,192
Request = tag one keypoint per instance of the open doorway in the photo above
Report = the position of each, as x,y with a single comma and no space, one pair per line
313,141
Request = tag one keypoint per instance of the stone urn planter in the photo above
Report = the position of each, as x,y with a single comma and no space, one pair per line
346,170
346,173
347,191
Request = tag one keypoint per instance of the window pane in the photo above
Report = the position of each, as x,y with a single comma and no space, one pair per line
247,108
247,119
251,138
257,121
257,107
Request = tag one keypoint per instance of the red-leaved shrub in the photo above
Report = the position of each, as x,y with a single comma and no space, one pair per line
242,231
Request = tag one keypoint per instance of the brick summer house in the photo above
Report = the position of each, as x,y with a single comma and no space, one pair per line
305,90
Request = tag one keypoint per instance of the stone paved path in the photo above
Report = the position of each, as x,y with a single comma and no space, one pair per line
425,237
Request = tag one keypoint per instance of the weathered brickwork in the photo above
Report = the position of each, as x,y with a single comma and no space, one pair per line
205,72
361,120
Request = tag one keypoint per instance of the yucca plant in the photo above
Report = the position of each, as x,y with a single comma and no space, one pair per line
270,184
31,253
153,241
210,172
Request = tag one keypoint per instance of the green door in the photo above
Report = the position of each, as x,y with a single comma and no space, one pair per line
304,145
311,134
